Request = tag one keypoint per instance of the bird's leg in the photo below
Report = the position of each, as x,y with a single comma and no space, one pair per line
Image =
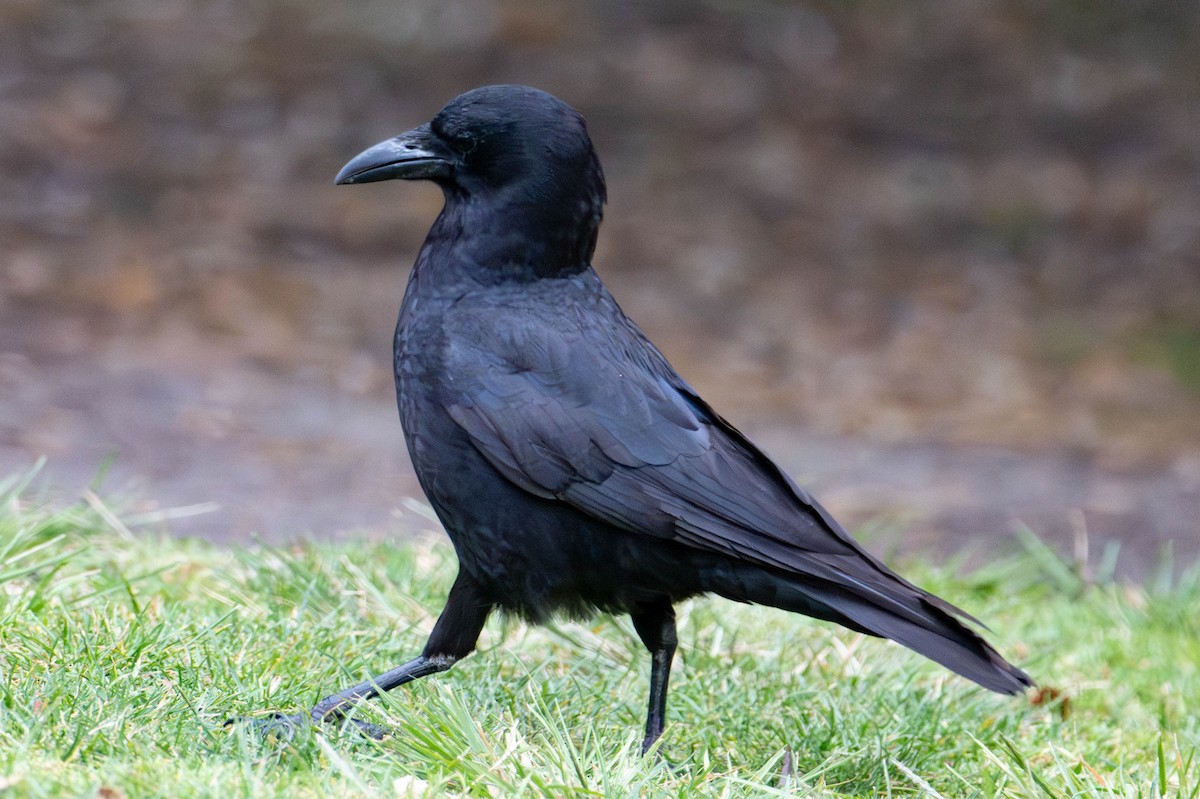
335,707
655,625
453,638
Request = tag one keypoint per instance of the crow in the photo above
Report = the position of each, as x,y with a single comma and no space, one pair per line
573,469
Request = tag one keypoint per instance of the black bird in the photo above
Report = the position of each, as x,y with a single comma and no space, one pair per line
572,467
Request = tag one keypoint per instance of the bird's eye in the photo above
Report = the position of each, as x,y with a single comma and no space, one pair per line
462,140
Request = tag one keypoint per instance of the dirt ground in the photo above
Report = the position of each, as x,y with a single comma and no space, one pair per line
942,261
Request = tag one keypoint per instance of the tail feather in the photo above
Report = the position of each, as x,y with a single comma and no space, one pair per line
918,620
939,637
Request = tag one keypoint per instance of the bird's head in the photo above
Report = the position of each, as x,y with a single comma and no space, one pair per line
522,183
501,146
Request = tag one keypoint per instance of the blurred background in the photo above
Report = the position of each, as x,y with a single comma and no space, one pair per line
942,260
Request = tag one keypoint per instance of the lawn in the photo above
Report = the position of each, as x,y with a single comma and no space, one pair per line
123,653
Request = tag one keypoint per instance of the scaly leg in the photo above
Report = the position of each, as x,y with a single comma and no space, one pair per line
453,638
655,625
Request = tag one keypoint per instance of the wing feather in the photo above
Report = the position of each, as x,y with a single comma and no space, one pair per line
601,421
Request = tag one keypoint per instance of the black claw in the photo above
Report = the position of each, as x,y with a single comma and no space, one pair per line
787,769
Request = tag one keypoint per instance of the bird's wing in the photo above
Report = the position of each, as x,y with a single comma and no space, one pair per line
593,415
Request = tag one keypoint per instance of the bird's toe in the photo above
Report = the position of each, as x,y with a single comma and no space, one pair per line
286,726
280,726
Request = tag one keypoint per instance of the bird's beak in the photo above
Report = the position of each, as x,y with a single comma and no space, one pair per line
415,155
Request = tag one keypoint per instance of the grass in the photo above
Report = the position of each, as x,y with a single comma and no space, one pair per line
121,655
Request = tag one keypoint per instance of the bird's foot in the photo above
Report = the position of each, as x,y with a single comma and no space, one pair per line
279,726
285,726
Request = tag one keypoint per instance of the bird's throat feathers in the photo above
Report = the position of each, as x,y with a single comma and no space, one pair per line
520,240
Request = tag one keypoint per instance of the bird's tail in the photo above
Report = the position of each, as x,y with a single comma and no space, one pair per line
897,610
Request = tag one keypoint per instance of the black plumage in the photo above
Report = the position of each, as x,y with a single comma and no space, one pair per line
571,466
